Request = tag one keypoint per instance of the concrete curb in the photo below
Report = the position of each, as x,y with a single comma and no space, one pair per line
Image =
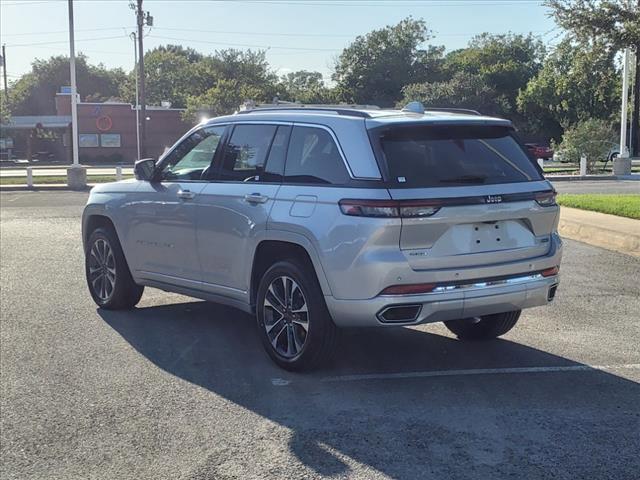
51,187
601,230
574,178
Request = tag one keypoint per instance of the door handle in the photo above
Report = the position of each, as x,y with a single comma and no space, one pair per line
186,194
255,198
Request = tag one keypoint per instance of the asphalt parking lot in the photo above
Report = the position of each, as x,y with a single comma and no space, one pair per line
181,389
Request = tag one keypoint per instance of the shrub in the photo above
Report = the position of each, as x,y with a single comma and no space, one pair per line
592,138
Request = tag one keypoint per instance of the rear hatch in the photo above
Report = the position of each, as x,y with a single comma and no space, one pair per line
473,195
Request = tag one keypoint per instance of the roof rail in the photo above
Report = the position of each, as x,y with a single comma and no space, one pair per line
345,109
453,110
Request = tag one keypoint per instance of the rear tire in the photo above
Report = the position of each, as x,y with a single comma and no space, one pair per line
485,327
294,324
108,275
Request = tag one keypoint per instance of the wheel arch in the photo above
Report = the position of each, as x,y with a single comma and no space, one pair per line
92,220
280,247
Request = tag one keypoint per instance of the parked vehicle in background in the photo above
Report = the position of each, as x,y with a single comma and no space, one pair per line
319,217
613,153
539,151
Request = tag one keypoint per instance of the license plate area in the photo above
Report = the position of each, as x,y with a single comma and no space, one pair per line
499,235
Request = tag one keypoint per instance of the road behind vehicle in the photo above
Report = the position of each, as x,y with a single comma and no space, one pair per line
314,218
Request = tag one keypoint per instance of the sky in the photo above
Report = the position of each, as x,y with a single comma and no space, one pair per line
297,34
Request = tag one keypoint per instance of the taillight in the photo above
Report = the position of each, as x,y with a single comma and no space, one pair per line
390,208
550,272
411,289
546,199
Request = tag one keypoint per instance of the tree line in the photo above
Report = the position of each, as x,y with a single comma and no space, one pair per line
543,89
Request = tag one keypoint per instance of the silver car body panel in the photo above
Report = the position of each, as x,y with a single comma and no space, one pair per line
205,246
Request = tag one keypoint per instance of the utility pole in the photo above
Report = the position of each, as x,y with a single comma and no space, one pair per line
142,18
4,74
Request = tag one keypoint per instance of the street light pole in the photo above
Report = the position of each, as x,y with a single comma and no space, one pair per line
74,99
624,152
76,174
137,106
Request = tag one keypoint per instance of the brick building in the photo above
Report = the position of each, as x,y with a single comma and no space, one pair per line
106,132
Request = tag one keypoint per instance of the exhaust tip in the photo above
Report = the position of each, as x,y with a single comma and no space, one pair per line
399,313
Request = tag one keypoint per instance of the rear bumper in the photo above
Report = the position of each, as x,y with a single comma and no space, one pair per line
468,300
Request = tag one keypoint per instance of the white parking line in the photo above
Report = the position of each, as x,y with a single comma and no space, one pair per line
465,372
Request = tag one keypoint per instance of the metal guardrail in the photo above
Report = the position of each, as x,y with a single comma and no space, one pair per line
30,175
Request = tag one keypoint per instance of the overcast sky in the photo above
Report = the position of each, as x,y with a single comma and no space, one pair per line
298,34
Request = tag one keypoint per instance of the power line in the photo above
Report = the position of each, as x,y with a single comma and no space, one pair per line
322,35
63,41
16,4
359,4
63,31
246,45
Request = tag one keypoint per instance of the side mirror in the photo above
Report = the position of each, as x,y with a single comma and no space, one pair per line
144,169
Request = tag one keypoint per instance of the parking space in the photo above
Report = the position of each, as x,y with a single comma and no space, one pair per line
181,389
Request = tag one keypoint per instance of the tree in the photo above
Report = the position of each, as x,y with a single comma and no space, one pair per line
613,23
504,63
170,75
592,138
576,83
231,77
223,99
462,91
375,67
305,87
5,112
34,93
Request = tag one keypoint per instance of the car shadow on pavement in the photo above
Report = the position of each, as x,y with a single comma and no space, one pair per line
525,425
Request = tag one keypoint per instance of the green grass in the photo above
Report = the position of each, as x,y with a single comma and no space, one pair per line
57,180
620,205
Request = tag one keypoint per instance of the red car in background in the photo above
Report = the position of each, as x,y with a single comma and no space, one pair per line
539,151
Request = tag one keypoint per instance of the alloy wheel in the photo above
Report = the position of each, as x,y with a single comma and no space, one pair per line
286,317
102,269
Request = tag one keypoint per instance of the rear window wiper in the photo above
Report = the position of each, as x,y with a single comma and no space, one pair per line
465,179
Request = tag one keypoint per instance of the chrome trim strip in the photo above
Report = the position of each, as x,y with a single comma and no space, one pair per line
494,283
477,285
260,122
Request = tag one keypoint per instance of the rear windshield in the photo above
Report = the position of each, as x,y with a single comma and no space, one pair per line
439,156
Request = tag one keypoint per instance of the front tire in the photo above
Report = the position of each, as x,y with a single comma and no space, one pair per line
485,327
108,276
294,324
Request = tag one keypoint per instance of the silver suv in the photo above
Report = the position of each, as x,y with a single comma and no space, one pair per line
314,218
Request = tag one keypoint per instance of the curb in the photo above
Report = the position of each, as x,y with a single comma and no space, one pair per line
577,178
51,187
623,240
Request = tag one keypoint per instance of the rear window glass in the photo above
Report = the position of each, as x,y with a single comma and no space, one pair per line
439,156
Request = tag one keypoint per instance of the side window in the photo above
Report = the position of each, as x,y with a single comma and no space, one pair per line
190,159
274,169
246,152
313,157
